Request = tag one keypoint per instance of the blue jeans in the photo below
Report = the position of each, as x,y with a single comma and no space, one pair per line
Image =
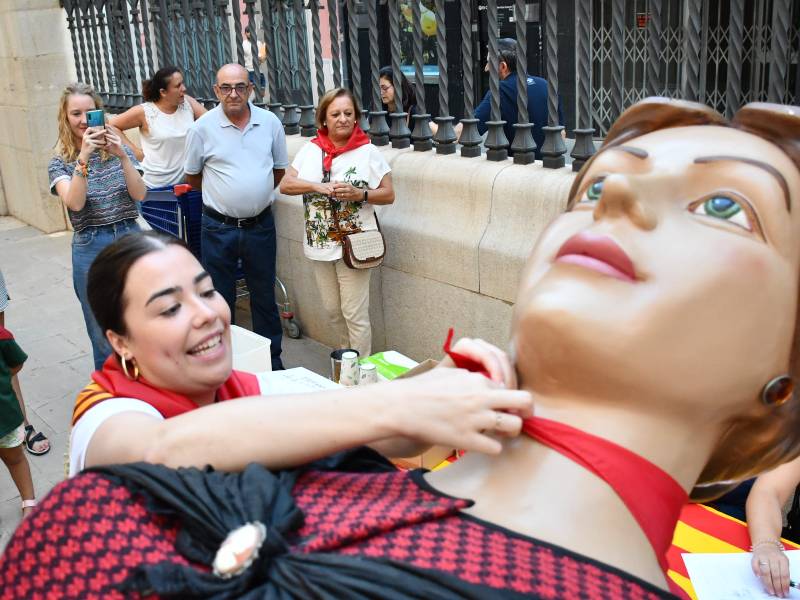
86,245
223,246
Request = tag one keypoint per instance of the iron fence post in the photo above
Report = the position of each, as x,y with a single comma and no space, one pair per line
523,147
584,143
319,67
553,149
496,140
272,64
290,117
470,139
445,136
733,87
355,60
654,32
333,26
422,134
693,52
378,128
399,132
307,122
779,64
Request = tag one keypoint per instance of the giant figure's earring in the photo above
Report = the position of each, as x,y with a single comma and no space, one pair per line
125,369
778,391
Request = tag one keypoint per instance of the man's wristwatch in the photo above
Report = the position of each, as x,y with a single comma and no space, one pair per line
366,196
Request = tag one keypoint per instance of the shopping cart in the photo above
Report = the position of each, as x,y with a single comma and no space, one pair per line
177,210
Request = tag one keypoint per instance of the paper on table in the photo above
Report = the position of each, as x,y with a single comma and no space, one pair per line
293,381
730,577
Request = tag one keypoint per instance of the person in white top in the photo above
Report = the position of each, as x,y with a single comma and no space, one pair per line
168,394
163,121
341,175
248,57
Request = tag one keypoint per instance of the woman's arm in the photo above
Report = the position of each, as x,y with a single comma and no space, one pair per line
73,192
383,194
137,152
130,119
444,406
133,179
198,110
764,509
292,185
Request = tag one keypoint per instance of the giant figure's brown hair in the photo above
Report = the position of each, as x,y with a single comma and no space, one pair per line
766,436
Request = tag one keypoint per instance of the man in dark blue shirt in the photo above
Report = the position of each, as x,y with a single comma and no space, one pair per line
537,98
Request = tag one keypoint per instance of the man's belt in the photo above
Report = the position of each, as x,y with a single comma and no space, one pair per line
234,221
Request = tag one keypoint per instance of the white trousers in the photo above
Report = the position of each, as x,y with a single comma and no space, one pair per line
345,297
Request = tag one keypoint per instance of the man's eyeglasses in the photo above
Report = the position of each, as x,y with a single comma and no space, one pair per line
226,89
385,88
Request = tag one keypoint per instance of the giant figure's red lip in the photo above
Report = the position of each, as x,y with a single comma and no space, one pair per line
599,253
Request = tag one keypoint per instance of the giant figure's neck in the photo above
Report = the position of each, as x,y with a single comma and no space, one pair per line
536,491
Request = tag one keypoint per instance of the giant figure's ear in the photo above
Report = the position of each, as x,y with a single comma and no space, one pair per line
651,114
767,436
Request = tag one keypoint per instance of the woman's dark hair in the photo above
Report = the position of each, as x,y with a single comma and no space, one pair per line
408,91
330,96
109,272
151,88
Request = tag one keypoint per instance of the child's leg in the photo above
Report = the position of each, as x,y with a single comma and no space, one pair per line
17,464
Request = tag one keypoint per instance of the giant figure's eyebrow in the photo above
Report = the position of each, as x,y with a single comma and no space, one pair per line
633,151
756,163
176,288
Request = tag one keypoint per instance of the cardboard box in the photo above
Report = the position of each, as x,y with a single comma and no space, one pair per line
436,455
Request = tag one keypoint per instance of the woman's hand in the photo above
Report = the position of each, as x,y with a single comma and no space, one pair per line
94,138
114,142
345,191
494,360
456,408
324,188
772,567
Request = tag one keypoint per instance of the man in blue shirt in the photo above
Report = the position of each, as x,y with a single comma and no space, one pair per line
237,153
537,98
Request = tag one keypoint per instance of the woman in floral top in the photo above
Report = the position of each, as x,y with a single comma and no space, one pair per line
98,180
341,175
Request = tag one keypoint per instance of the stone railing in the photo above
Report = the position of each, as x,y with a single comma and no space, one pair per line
458,235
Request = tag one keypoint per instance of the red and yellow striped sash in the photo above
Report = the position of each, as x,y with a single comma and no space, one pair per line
89,396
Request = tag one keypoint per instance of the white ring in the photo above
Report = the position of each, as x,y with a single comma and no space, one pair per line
498,417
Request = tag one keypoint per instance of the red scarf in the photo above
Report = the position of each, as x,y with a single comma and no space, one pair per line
357,139
5,334
651,495
111,382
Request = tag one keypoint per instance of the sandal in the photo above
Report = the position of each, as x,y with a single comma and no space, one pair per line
28,504
32,437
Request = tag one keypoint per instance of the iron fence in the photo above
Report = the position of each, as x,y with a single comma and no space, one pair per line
601,55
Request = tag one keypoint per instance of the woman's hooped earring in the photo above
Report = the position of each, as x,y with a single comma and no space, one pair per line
778,391
125,369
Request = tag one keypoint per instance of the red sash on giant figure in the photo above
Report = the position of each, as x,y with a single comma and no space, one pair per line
111,382
651,495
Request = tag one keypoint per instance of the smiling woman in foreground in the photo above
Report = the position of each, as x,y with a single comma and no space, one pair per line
167,394
656,326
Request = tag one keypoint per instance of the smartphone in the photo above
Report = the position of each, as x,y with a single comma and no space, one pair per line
95,118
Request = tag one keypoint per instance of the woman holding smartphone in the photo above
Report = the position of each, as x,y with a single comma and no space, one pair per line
98,180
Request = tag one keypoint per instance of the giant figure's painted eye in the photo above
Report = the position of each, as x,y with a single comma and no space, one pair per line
594,191
725,208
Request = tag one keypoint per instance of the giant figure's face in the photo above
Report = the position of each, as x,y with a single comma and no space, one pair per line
674,276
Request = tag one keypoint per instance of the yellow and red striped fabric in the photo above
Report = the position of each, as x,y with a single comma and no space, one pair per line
703,529
89,396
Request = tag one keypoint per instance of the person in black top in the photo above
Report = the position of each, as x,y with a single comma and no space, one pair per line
388,95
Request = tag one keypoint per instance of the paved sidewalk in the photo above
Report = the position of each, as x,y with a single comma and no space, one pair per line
46,319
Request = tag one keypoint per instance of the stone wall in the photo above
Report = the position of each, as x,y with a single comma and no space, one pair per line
35,64
457,238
